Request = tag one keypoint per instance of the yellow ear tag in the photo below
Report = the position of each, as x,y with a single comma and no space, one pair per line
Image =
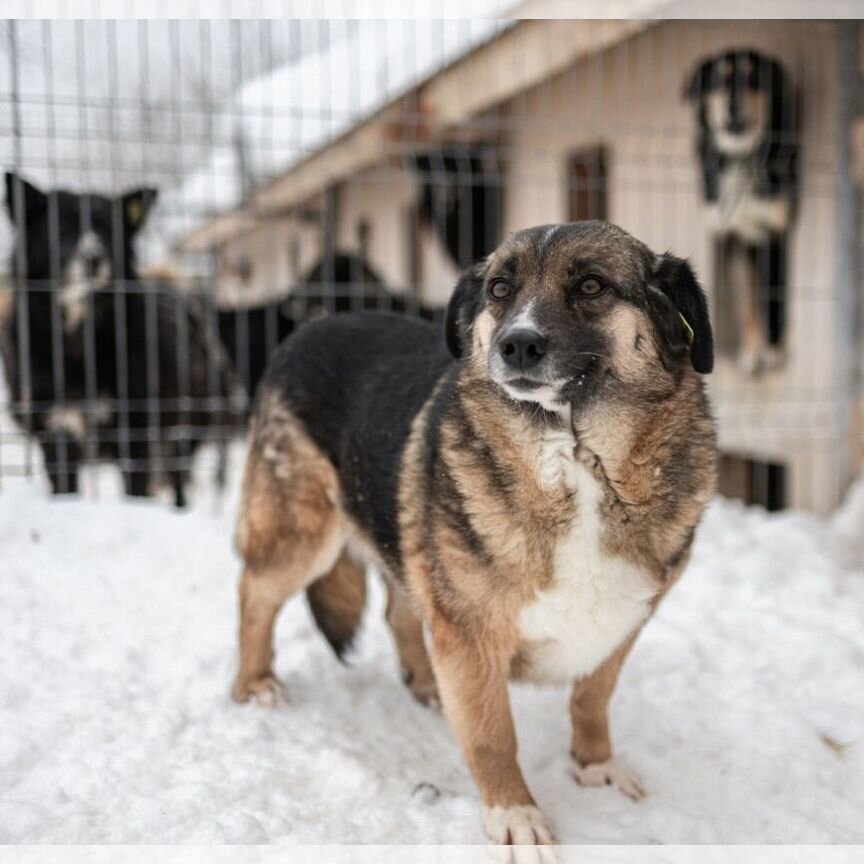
134,211
688,330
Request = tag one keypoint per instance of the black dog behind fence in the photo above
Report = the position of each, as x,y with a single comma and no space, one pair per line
99,364
104,365
230,180
104,361
339,282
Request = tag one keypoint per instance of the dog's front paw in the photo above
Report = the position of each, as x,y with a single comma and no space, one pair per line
609,773
521,825
266,690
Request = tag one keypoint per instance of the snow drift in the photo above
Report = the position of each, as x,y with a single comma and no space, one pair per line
741,706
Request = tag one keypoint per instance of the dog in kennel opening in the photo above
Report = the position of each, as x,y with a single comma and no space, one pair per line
747,145
100,364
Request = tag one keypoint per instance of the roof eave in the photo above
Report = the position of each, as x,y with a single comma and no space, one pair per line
531,51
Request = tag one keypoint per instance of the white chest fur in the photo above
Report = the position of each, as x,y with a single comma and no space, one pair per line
741,211
596,600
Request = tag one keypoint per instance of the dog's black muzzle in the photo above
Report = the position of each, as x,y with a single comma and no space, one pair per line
523,350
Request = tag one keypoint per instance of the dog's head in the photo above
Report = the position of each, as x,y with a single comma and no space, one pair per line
561,315
739,96
74,241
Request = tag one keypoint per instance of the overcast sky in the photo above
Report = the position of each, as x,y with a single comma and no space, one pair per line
82,95
111,105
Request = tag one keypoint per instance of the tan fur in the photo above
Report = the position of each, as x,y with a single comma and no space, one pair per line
407,628
472,679
591,743
293,535
649,452
483,327
631,447
631,453
476,643
290,532
6,304
166,271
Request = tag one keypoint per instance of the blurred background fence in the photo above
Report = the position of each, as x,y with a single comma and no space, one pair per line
223,181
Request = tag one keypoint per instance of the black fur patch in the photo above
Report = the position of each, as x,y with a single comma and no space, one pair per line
337,283
675,278
356,382
464,305
460,198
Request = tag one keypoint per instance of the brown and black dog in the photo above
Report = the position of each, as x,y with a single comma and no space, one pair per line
530,495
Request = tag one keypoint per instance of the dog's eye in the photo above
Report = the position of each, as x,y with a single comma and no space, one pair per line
590,286
499,290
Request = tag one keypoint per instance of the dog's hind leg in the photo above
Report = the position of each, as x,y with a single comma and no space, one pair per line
61,436
414,661
261,597
290,532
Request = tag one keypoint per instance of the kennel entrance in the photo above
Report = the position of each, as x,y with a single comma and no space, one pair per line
753,481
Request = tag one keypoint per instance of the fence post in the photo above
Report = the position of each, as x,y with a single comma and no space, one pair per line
847,344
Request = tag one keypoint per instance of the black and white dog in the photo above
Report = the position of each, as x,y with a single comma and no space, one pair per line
101,365
338,282
747,144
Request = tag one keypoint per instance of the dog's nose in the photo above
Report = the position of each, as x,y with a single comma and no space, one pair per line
523,349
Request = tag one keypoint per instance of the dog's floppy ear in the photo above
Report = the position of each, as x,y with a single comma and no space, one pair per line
701,80
463,307
136,206
31,202
694,83
675,279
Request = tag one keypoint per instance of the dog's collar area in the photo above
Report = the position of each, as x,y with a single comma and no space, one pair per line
688,330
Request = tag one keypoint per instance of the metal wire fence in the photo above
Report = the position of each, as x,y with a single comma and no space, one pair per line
182,195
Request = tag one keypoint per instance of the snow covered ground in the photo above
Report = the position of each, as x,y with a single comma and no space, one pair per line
741,708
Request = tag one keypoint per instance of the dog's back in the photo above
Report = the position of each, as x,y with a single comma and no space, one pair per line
355,382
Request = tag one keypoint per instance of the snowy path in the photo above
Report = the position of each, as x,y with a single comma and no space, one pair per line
742,707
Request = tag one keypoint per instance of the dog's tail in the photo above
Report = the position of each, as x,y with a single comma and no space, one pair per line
337,601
